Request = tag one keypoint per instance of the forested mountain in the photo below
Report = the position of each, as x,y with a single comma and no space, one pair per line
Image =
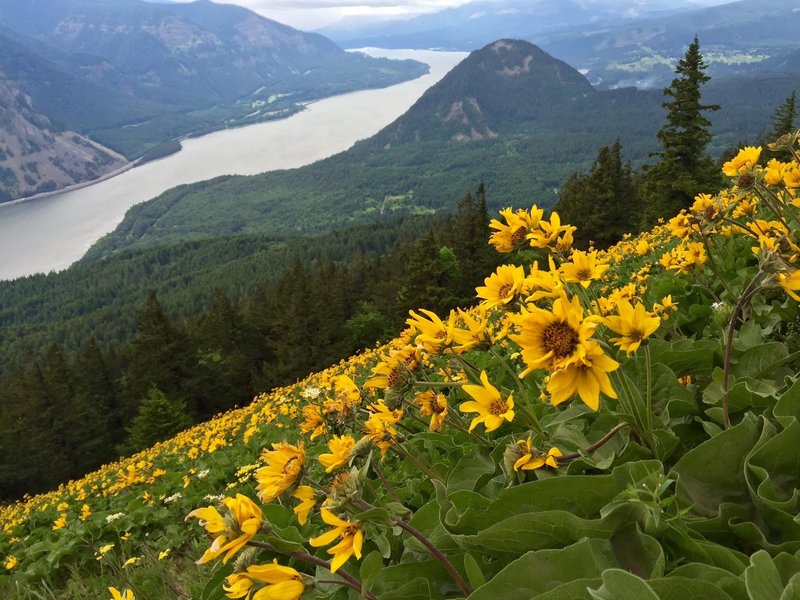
509,115
132,74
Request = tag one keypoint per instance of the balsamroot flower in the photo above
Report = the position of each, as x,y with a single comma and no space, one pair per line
313,421
488,403
284,467
553,339
583,268
118,595
265,582
433,405
341,447
351,542
531,458
511,235
231,532
634,324
586,378
745,160
308,499
790,282
502,287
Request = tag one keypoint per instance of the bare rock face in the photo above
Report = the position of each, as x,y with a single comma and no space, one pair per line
34,158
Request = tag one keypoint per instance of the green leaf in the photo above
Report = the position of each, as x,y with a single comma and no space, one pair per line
713,472
724,580
474,574
686,357
621,585
762,578
788,405
683,588
760,361
369,567
538,571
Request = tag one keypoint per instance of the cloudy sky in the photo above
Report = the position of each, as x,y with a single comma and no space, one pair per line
311,14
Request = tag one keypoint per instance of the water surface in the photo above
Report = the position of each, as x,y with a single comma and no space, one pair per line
51,233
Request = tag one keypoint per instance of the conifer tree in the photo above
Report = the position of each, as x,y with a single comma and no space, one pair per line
684,168
604,204
784,119
158,419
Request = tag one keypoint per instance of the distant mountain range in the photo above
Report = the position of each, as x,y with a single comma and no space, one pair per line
509,115
131,74
613,42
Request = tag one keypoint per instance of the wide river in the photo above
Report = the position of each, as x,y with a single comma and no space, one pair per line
51,233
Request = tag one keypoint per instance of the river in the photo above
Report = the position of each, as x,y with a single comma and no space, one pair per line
49,234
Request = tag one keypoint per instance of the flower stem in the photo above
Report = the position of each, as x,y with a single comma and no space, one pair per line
348,579
374,466
398,449
597,445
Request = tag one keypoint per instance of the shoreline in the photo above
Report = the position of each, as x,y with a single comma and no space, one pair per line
71,188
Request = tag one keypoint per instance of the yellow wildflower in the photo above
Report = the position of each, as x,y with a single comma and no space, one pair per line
304,493
790,282
433,405
744,161
351,542
583,268
634,324
282,583
230,534
533,459
587,378
60,523
340,448
489,405
284,466
118,595
11,562
502,287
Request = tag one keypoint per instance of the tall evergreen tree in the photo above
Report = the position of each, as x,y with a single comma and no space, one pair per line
684,168
603,204
785,117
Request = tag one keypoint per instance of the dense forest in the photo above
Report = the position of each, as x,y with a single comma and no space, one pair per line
68,411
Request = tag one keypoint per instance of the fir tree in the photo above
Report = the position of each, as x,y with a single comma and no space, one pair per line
604,204
158,419
684,168
783,121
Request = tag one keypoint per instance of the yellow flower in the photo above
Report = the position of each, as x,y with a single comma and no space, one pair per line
164,554
790,282
282,583
773,173
587,378
284,466
313,421
665,307
553,339
86,512
11,562
351,542
304,493
642,247
511,235
634,324
103,550
395,371
584,268
552,235
476,334
433,405
117,595
345,395
340,447
502,287
433,333
533,459
742,162
60,523
133,560
489,405
230,534
380,425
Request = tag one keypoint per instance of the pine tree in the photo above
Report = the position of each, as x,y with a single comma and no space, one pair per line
603,204
684,168
158,419
783,121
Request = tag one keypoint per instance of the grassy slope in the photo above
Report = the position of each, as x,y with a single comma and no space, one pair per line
608,520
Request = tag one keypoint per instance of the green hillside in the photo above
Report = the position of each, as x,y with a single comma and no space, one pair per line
618,424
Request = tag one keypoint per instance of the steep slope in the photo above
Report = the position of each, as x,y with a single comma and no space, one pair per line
35,157
222,63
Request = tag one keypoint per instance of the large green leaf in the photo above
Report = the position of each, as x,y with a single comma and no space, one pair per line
713,472
724,580
762,578
686,357
683,588
621,585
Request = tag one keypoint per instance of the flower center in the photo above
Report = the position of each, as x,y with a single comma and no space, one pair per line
395,376
498,407
584,274
518,237
560,339
350,531
505,291
291,467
